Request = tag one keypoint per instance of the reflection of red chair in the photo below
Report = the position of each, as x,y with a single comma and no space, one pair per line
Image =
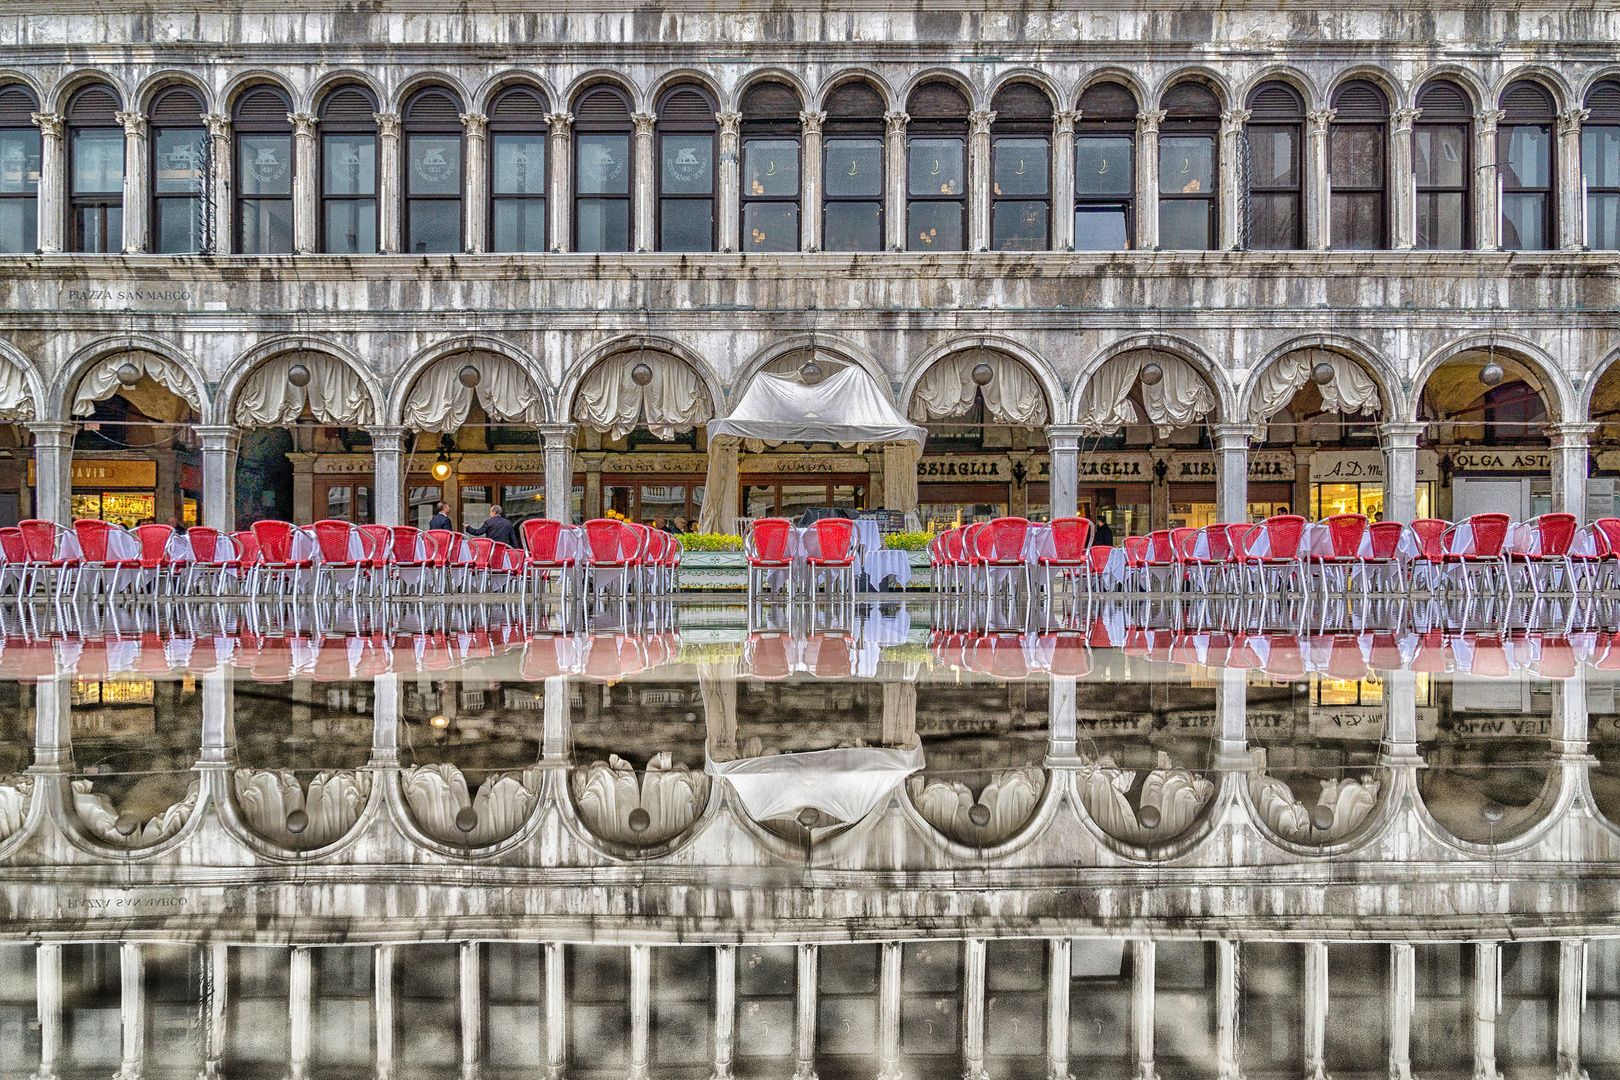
1556,659
1284,661
1490,660
767,656
549,655
830,656
1070,656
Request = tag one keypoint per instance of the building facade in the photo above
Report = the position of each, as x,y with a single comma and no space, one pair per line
1152,265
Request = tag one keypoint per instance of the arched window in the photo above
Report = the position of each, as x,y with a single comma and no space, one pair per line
264,172
518,132
1442,163
349,172
1357,165
603,165
1021,169
685,155
179,146
19,172
1189,189
1276,187
1105,169
95,170
1600,165
770,168
936,169
852,180
1524,146
432,161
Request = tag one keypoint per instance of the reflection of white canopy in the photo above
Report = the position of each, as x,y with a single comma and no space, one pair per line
438,400
847,783
845,407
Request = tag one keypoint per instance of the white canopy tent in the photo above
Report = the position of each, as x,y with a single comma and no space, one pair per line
845,407
847,783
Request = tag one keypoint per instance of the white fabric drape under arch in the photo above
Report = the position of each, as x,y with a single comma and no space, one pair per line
1013,395
336,393
675,400
1352,390
439,402
1181,398
101,381
15,401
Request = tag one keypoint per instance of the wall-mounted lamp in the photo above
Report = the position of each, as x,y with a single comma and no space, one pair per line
1020,473
1161,469
1445,470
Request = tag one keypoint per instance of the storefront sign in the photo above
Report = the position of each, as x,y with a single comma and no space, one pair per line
94,473
1264,465
1121,468
655,463
347,465
1365,466
963,468
1504,461
807,463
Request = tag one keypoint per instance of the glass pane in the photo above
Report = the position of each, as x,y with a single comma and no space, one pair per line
1528,162
1600,156
1274,222
1019,226
1101,228
604,164
1020,166
852,226
854,167
1184,224
1438,153
266,226
177,160
1357,153
434,225
98,161
351,164
1187,165
770,167
771,226
935,167
19,161
1102,165
1602,221
264,164
435,164
688,165
1524,220
1358,221
520,225
17,225
99,228
1274,157
604,224
934,226
1440,220
338,500
178,228
351,226
520,164
686,225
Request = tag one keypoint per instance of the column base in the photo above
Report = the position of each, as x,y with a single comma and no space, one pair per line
804,1070
1486,1074
1146,1071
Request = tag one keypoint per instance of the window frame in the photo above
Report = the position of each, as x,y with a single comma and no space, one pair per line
1090,127
1604,115
252,127
431,128
23,123
856,129
941,128
343,125
664,127
1434,119
765,128
1021,128
102,202
155,198
516,126
1292,122
1547,123
1202,127
585,125
1344,119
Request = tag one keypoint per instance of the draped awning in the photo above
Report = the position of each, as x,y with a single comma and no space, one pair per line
1013,395
439,401
101,382
845,407
1351,389
1181,398
15,404
336,394
673,400
847,783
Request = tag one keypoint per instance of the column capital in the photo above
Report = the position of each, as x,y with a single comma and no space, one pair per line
979,122
1150,119
49,123
1320,119
218,124
1571,434
730,122
1402,119
387,124
386,437
1063,121
558,435
54,433
218,436
134,122
644,122
560,123
1487,119
475,123
895,122
812,121
1400,434
1065,436
1231,436
303,123
1232,119
1570,120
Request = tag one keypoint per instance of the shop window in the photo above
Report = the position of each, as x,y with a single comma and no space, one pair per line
1600,166
1357,148
421,501
432,163
852,179
1514,413
770,168
264,172
1525,150
346,502
791,497
126,508
603,166
518,142
1105,170
686,166
1441,161
19,171
767,992
936,169
1021,169
673,500
178,144
1189,191
1101,973
1193,515
1276,168
95,171
349,172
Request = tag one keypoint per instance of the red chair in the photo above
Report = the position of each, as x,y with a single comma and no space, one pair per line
1592,552
45,553
1554,535
155,559
1271,548
972,561
1483,550
835,553
1000,546
1345,533
1138,549
211,553
379,541
13,558
1429,533
1385,538
411,557
1161,556
341,549
549,547
954,542
487,557
1203,552
95,537
615,547
768,548
1097,559
275,561
1071,547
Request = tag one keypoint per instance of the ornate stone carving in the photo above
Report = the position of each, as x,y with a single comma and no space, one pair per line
1149,120
387,124
1175,797
812,122
134,122
896,122
1010,798
330,806
644,123
50,124
15,792
607,795
1350,801
102,818
438,795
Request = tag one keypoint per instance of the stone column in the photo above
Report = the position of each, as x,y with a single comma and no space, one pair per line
1486,958
1057,1008
725,1009
1063,448
1402,180
1318,181
640,1009
645,237
299,986
900,477
472,1011
556,1012
1571,447
973,1010
51,212
1571,996
1399,442
475,195
562,181
386,698
899,714
889,1012
1232,718
1143,958
164,501
219,450
135,170
895,168
48,1000
389,206
219,142
53,470
1226,1005
306,204
1571,195
728,199
979,179
804,1029
132,1009
1402,998
1316,1009
1147,178
1232,471
217,960
383,987
1061,736
1232,122
388,447
559,440
810,168
1487,182
1063,122
1398,749
218,718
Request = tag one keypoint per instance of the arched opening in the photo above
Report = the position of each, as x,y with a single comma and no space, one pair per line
1189,168
262,129
686,157
19,171
603,170
1105,169
519,137
348,172
432,157
1276,161
1604,411
936,168
95,171
853,184
1486,415
1021,169
1358,166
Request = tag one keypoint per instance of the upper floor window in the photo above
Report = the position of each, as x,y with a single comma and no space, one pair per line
1021,169
852,179
1600,166
1524,147
603,165
433,132
1189,193
95,170
686,159
1357,166
1276,179
19,172
264,172
349,172
770,168
1104,169
518,131
1441,162
179,147
936,169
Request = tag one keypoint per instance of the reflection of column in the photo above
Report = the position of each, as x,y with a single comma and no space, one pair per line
1402,998
385,718
49,206
643,229
554,740
810,181
476,196
1063,122
978,192
1487,180
900,477
1571,198
1147,178
218,961
132,1009
1061,734
1400,444
804,1028
559,439
561,179
889,1012
388,474
729,196
556,1012
1232,471
1403,201
472,1012
718,685
895,212
725,1009
48,1000
1232,717
384,989
1399,748
53,470
219,142
219,452
53,724
973,1010
900,714
218,723
388,193
298,1012
1063,446
135,204
1571,444
1316,1007
1226,1002
1571,992
306,209
1143,958
640,1008
1057,1008
1232,121
1318,228
1486,958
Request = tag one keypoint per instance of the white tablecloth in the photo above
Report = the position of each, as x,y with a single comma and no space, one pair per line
884,563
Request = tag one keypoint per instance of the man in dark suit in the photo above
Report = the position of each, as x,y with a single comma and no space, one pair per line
497,528
441,516
1102,536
